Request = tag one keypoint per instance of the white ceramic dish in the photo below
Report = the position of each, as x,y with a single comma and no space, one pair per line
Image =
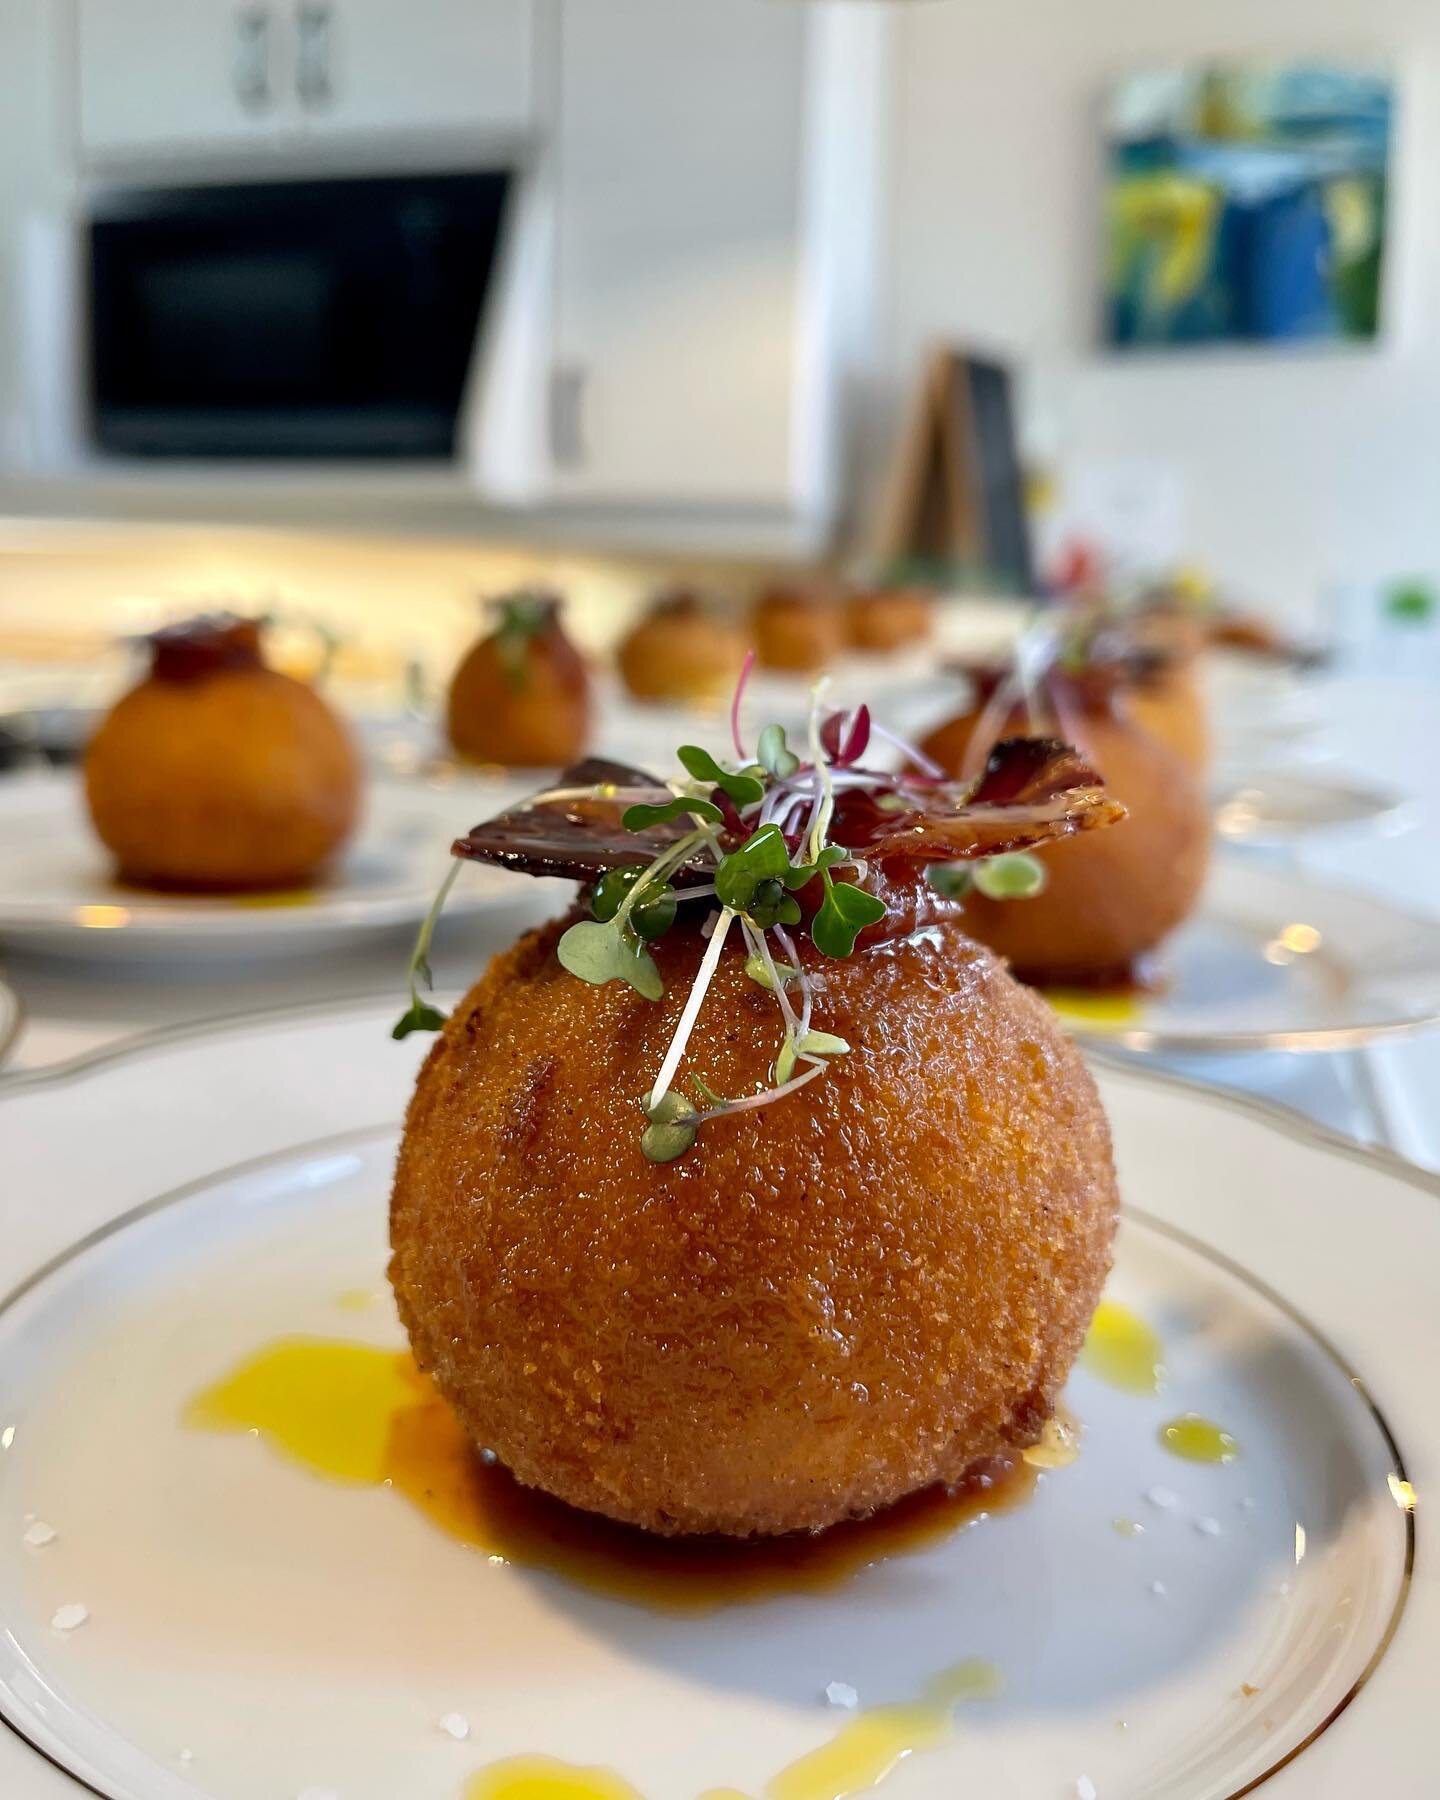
1275,960
11,1016
57,895
295,1636
1276,806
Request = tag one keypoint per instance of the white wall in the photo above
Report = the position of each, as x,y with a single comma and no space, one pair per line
34,155
1300,468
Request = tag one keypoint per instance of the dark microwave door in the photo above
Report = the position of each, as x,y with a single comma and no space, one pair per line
290,319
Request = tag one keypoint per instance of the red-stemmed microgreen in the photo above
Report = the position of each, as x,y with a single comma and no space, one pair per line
737,700
743,840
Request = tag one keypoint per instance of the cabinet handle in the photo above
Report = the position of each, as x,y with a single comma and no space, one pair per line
315,34
250,68
567,435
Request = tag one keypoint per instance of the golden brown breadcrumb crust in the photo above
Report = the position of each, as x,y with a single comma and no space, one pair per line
242,780
828,1303
687,657
536,716
1110,896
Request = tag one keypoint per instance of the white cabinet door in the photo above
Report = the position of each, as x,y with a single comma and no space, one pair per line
414,65
161,74
678,159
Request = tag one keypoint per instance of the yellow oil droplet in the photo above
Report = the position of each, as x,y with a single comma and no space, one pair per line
1059,1443
101,918
327,1404
280,897
356,1413
1103,1009
870,1747
1198,1440
1123,1350
546,1778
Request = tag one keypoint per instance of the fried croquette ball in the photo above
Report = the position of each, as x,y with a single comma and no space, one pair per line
1110,896
796,629
520,696
829,1302
1170,706
883,620
682,650
219,773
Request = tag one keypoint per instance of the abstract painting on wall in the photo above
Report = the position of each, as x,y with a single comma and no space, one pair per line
1246,203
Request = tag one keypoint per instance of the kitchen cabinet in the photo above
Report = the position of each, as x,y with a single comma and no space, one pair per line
158,74
436,65
697,297
216,76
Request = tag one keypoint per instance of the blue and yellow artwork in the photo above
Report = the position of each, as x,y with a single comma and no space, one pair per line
1246,204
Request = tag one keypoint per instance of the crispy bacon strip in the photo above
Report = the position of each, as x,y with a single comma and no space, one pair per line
578,839
1031,790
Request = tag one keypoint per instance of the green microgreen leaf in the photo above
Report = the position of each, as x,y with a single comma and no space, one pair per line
1012,877
744,790
774,754
418,1017
522,616
802,873
814,1043
640,818
846,911
758,971
761,858
653,913
598,953
771,905
672,1128
952,880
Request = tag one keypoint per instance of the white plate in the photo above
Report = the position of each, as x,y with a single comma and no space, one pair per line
292,1634
1278,805
10,1017
58,896
1274,960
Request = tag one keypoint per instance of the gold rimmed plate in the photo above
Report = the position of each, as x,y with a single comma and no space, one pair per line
1272,960
253,1626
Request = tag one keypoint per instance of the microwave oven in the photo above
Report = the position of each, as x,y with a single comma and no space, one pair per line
321,318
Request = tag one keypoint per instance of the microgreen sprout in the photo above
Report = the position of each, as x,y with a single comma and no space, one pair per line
641,818
750,841
420,1015
774,755
1015,876
522,617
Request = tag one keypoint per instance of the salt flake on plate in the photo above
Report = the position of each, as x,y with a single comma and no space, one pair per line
38,1534
840,1693
70,1616
454,1725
